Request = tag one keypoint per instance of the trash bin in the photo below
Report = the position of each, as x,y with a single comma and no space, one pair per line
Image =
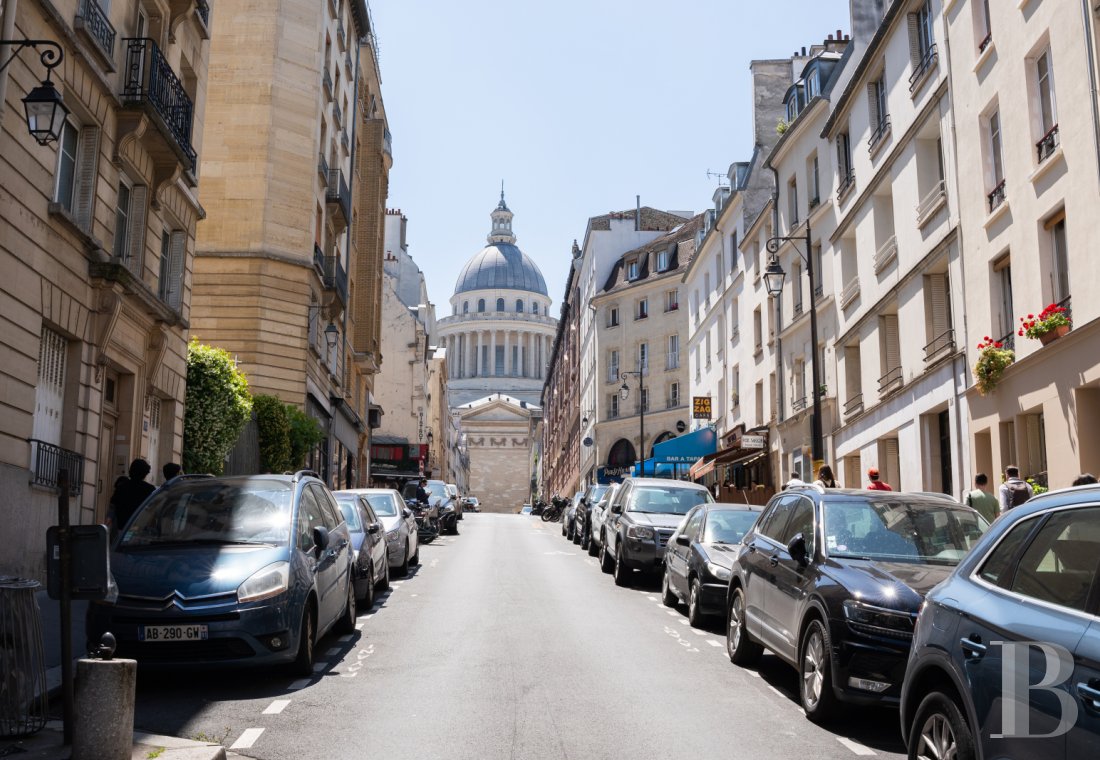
24,698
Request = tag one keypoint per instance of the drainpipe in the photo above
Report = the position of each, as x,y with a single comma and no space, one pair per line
1091,65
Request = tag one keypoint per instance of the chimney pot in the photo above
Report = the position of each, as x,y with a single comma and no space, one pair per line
838,34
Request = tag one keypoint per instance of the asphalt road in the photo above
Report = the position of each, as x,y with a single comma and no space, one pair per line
508,642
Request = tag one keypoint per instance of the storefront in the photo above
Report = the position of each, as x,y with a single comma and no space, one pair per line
673,458
394,458
741,470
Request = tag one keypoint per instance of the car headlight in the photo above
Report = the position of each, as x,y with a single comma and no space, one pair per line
265,583
880,621
393,536
639,531
719,572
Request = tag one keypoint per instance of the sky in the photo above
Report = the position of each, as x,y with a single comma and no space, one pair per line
577,106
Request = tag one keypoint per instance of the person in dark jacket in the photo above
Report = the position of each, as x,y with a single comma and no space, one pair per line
129,494
171,470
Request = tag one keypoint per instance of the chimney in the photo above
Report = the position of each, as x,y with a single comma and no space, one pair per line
638,213
866,17
770,80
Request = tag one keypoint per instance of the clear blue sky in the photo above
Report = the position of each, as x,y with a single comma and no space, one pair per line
577,106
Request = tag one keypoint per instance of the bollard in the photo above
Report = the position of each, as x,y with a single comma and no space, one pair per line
104,706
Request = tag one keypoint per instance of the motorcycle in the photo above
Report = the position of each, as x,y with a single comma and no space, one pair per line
427,520
538,507
554,512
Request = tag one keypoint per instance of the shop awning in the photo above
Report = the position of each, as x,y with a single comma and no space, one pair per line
687,449
704,466
652,469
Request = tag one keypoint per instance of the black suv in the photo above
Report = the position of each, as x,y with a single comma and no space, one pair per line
831,582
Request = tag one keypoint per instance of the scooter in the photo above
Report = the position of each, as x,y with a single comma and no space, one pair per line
556,509
427,521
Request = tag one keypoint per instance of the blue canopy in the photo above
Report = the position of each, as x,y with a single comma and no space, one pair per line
651,470
687,449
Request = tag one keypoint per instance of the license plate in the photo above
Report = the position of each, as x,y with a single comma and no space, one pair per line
172,632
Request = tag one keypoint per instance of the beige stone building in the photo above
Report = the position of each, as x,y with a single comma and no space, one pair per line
289,263
499,436
639,328
1025,112
561,426
97,236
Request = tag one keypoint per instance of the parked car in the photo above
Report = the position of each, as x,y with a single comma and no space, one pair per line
398,526
1034,577
830,580
370,568
567,525
230,571
472,504
598,516
699,558
525,509
581,523
458,501
640,521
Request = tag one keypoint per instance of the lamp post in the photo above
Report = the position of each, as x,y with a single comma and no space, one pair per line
773,281
624,393
44,107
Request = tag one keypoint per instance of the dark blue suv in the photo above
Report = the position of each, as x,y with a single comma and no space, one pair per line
1005,660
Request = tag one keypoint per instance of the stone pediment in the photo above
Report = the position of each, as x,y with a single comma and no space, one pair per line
495,408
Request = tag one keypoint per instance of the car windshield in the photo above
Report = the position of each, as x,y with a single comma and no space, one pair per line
894,530
596,494
383,504
437,491
350,510
727,526
237,511
669,500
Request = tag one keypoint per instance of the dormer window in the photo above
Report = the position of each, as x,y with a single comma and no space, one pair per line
813,85
792,109
663,261
632,269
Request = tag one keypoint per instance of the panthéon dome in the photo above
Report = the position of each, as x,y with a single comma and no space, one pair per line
501,264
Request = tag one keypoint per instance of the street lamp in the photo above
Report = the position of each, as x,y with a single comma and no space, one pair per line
45,110
773,281
332,334
624,393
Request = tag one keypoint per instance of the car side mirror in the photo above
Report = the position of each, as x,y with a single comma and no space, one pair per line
617,509
320,539
797,549
683,540
373,528
407,512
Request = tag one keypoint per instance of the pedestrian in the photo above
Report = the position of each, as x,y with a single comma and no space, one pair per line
793,482
422,491
1085,479
981,499
171,470
875,484
1014,490
825,477
129,494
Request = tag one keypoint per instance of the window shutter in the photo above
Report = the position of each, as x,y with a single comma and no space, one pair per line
49,394
87,165
892,351
135,235
914,40
872,103
841,163
177,247
940,316
891,466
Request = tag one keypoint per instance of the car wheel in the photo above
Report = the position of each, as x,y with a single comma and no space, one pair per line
347,620
403,568
607,562
303,663
668,596
593,547
564,532
368,598
695,601
385,584
415,559
816,687
622,572
586,541
940,730
740,647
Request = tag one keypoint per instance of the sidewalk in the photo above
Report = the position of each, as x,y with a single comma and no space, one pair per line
47,745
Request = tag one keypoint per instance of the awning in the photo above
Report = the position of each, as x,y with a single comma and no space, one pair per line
704,466
652,469
686,449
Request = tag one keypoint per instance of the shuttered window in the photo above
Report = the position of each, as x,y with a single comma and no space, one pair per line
891,346
87,162
135,236
165,257
50,392
152,454
66,165
173,247
121,248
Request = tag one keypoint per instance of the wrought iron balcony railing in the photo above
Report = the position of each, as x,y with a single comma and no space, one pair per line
931,55
854,405
94,22
985,42
891,381
931,202
149,81
338,194
202,8
880,132
799,404
1008,341
847,181
1047,145
886,253
940,345
996,196
47,461
322,167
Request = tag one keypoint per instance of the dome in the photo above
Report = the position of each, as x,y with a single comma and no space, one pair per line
504,266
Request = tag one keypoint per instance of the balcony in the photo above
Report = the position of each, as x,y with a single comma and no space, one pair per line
890,382
47,461
1048,144
337,116
387,142
735,334
92,20
202,10
333,275
847,182
942,345
338,195
672,402
797,311
149,83
1008,341
931,55
349,65
344,142
880,133
322,167
996,197
340,35
931,203
326,81
854,405
799,404
985,42
815,201
886,254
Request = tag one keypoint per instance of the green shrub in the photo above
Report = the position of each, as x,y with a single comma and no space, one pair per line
305,433
273,430
217,407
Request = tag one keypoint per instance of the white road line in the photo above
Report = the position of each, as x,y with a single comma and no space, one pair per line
301,683
276,707
856,747
777,691
415,595
752,673
651,598
248,738
698,633
345,639
713,643
358,626
674,613
319,666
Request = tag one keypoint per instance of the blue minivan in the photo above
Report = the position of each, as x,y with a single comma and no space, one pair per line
230,571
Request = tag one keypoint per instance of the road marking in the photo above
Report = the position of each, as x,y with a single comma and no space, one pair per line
345,639
681,621
713,643
319,666
566,554
752,673
248,738
856,747
651,598
674,613
777,691
698,633
301,683
434,562
276,707
415,595
332,652
358,626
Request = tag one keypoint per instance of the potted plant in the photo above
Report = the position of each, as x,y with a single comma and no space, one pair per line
993,360
1052,323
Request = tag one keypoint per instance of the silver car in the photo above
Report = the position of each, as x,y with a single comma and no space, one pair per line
598,516
399,524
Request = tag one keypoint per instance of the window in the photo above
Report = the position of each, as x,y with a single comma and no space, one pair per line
170,284
937,302
519,306
921,39
642,310
706,340
672,300
612,366
643,358
733,251
819,270
66,165
1059,269
77,155
706,290
1048,107
480,305
632,269
844,167
613,405
997,568
613,316
984,25
880,117
1059,566
813,85
757,329
662,261
813,177
465,307
645,400
673,352
735,387
796,288
1003,276
165,264
122,223
792,202
996,161
500,304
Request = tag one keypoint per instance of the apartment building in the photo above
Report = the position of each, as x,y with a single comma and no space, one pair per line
639,326
1023,77
288,269
97,239
560,399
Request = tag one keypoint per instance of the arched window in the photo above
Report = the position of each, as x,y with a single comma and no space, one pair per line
546,311
500,304
465,307
534,308
621,454
519,305
480,305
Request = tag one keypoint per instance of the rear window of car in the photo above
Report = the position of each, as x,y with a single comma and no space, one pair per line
383,504
238,511
728,526
350,511
668,500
